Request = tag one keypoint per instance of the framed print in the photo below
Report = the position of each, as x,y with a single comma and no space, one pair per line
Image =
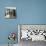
10,12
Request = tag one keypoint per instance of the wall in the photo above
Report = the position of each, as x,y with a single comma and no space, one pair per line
28,12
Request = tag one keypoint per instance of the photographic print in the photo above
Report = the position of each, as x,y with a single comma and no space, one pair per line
30,34
10,12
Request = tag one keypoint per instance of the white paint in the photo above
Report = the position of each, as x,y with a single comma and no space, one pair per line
37,37
7,16
10,7
24,34
18,33
15,44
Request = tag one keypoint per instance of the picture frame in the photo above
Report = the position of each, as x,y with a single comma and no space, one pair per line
10,12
